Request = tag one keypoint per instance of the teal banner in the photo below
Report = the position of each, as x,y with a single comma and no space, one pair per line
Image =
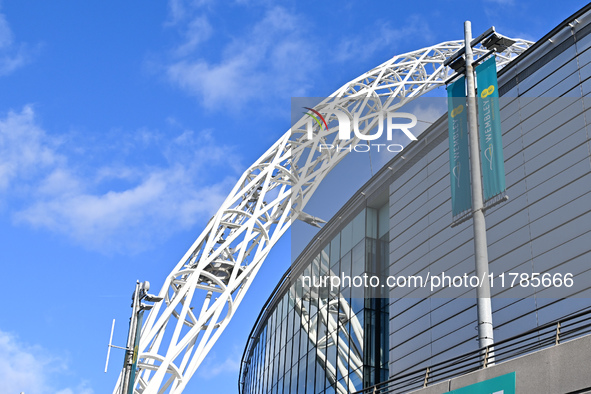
489,124
459,162
504,384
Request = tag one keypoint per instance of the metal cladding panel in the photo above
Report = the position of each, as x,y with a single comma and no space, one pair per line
586,87
413,211
583,52
527,318
507,228
513,145
410,241
567,231
445,327
571,250
409,334
545,225
555,146
510,107
559,203
585,60
558,166
563,148
437,162
511,260
585,71
506,309
544,78
556,84
439,192
417,358
457,267
442,233
413,173
549,308
514,180
412,252
405,310
539,117
461,336
518,203
402,205
538,146
552,221
437,151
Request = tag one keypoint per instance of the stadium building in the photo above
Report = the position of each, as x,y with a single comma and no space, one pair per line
323,339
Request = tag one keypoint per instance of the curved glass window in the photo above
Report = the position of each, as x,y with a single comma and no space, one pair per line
321,339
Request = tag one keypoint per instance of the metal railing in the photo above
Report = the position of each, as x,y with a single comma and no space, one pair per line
544,336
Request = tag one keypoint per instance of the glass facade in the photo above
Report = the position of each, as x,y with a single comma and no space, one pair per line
321,339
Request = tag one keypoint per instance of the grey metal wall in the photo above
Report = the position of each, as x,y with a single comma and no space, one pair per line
560,369
544,227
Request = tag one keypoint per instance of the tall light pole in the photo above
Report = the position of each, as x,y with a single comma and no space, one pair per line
485,324
128,362
140,294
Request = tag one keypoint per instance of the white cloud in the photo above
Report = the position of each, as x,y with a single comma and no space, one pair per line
31,369
428,113
21,368
272,59
24,147
179,10
12,56
230,365
176,11
5,33
113,206
502,2
166,199
198,31
384,37
213,367
82,388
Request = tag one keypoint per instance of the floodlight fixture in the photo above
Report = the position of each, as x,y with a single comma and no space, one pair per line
458,64
497,42
152,298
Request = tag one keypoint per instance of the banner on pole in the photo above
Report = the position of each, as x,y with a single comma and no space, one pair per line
459,162
489,124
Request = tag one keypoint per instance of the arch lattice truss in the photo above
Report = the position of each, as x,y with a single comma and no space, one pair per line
207,285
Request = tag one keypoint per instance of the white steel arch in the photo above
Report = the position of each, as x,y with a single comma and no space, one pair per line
209,282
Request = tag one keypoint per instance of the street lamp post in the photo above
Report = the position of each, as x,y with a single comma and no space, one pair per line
465,65
128,362
140,294
485,324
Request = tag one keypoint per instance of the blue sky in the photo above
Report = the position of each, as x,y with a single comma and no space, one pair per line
124,124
